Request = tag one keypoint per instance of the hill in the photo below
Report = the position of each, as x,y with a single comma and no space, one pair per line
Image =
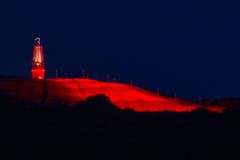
71,91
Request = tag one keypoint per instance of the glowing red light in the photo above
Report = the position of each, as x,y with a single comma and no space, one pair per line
38,71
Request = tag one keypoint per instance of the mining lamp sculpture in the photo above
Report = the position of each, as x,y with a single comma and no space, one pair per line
38,70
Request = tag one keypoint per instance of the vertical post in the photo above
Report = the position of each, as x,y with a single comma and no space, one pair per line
176,98
56,73
87,75
83,75
200,101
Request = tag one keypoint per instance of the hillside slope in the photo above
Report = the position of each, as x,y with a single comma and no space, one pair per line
70,91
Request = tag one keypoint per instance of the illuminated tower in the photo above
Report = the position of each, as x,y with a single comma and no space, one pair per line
38,70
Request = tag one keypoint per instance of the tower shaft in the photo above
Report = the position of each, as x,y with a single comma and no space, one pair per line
38,70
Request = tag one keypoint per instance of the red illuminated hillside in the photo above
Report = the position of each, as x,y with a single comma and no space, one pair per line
70,91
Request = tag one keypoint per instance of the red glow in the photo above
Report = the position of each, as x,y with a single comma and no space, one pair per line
122,95
38,71
73,90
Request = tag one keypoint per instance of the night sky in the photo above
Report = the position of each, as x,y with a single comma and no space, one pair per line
191,48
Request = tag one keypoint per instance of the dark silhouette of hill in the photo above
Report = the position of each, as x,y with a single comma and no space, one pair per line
226,102
97,129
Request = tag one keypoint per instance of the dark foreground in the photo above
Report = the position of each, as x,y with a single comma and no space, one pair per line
96,129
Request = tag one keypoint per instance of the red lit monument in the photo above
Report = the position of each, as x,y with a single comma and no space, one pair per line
38,70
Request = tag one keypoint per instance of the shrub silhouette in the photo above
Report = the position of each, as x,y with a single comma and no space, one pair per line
98,102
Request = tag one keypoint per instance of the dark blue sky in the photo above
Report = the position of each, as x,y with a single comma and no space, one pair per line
187,47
